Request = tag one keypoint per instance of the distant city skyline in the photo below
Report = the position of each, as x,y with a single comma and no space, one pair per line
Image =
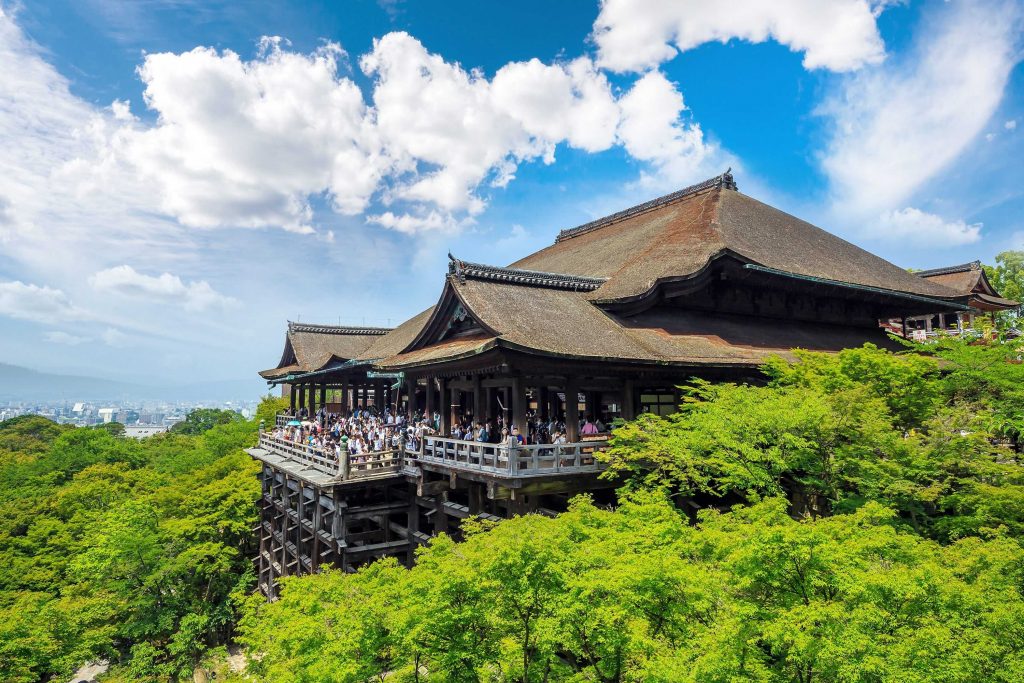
180,179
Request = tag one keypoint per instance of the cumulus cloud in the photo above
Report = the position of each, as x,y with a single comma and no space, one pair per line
651,129
245,143
448,130
1011,124
840,35
35,303
897,126
65,338
114,337
916,227
197,295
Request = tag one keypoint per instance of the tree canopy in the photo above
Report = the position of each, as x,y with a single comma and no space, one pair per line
131,550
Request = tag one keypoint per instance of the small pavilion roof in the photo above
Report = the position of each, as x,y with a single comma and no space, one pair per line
310,347
969,279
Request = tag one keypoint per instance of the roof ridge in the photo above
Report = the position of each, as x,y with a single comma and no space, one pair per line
725,180
478,271
946,270
335,329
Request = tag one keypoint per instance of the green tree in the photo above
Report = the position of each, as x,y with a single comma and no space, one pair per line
204,419
1007,276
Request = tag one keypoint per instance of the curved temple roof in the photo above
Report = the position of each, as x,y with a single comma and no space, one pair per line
308,347
677,235
560,301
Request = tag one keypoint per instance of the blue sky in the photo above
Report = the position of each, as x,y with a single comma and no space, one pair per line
179,178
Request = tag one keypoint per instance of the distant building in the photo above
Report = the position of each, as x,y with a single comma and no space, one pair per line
107,414
142,431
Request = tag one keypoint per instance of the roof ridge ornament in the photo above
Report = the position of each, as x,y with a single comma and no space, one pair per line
947,270
335,329
464,270
457,268
723,181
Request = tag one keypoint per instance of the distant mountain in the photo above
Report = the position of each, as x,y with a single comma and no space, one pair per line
18,383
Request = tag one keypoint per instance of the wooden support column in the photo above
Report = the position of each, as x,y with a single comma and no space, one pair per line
410,402
430,405
302,396
572,409
519,406
291,397
491,404
344,395
323,394
445,408
478,400
629,400
543,407
593,404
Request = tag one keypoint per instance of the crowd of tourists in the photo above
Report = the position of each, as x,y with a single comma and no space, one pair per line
369,430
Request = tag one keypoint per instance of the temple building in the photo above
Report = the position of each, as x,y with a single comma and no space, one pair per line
605,323
967,279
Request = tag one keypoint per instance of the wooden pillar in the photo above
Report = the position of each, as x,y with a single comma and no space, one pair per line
344,395
629,400
519,406
543,402
410,401
572,409
323,394
431,388
491,405
445,408
478,400
942,321
291,397
302,396
593,404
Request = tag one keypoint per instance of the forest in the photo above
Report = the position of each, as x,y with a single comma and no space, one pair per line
854,517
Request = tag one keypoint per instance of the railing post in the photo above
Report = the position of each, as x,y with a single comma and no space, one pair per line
344,465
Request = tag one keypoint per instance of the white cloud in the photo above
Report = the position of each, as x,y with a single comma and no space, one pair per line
60,337
245,143
115,338
1011,124
840,35
897,126
651,130
197,295
915,227
448,131
35,303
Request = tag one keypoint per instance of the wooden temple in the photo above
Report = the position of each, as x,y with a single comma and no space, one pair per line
968,279
607,322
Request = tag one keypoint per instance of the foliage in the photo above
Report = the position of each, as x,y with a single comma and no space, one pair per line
1007,277
203,419
131,550
638,594
934,438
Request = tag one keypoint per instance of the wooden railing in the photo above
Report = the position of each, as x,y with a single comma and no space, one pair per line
347,468
281,420
521,461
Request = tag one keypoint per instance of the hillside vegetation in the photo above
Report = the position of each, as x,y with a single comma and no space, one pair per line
136,551
856,518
